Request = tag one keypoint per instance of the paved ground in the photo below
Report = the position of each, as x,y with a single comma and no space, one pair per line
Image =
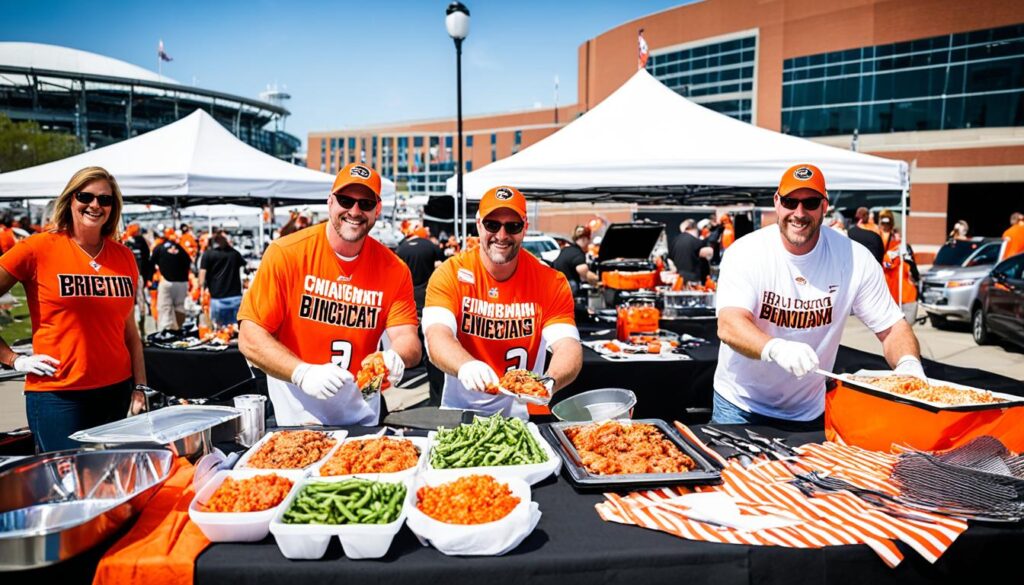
954,347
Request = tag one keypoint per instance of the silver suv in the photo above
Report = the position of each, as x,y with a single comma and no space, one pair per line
949,287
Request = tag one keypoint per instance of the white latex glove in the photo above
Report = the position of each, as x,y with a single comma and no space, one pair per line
321,381
910,366
796,358
39,364
476,375
395,365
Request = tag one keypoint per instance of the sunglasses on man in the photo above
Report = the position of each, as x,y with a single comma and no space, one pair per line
347,202
810,204
511,227
85,198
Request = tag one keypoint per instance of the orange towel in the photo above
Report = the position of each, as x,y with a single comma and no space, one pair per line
163,545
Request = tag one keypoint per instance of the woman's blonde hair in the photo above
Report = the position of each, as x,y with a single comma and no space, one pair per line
62,221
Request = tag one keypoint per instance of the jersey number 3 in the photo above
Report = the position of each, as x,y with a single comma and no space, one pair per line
341,353
518,357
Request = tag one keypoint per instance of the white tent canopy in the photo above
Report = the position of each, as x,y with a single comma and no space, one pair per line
191,160
647,136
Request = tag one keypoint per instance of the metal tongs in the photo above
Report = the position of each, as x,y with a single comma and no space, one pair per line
774,445
745,450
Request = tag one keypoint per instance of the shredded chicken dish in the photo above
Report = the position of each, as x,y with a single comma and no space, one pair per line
614,448
917,388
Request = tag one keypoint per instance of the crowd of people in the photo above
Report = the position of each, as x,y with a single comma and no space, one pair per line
328,297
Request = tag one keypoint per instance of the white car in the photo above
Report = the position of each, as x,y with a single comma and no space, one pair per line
543,247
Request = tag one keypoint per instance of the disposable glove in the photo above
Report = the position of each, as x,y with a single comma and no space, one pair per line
910,366
796,358
476,375
39,364
321,381
395,365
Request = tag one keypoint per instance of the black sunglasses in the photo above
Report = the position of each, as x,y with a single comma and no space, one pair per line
347,202
511,228
810,204
85,198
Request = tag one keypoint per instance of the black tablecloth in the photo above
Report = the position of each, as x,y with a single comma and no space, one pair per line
194,373
573,545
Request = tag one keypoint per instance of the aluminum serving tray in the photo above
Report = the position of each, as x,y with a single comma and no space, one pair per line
187,430
706,473
867,388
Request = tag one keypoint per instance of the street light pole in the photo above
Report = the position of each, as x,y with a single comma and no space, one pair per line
457,22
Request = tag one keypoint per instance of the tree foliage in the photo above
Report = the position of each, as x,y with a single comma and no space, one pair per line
25,144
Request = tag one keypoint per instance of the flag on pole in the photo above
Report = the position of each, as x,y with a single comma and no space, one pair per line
642,53
161,53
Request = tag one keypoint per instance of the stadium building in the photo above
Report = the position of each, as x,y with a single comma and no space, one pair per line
103,100
937,83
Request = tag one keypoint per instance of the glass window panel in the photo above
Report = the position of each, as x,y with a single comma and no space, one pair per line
851,68
748,42
417,142
833,70
731,45
747,86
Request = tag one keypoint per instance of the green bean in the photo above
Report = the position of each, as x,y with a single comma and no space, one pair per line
493,440
357,501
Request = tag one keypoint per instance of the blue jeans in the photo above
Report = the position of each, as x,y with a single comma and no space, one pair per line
225,311
53,416
727,413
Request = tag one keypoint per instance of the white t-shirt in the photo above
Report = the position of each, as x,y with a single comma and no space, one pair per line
798,298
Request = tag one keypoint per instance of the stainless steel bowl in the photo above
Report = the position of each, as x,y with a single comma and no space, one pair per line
57,505
602,404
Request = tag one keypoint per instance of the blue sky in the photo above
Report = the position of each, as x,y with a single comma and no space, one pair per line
344,63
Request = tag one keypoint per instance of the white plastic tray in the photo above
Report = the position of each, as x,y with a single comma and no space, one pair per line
235,526
359,541
421,443
530,473
243,463
490,539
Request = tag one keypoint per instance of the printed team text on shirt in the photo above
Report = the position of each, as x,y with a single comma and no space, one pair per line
497,320
95,285
342,304
794,313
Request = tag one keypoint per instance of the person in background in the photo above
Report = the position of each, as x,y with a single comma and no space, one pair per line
960,231
188,241
572,260
175,265
864,221
898,267
422,257
690,254
324,300
493,308
866,237
80,287
220,271
728,231
704,228
135,242
7,239
1013,237
784,294
838,223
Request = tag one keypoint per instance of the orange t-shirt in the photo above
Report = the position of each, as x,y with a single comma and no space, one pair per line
324,309
7,240
1014,236
896,269
188,241
507,325
78,311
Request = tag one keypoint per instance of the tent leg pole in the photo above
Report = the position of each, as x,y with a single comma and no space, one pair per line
903,243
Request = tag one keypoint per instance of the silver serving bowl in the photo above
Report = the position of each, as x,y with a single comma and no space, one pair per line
57,505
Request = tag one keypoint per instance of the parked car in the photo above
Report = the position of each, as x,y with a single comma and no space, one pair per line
542,246
950,286
999,308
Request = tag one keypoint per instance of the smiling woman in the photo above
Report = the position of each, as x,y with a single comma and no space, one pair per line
80,284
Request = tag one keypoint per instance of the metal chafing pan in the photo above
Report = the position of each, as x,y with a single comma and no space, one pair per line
188,430
705,473
57,505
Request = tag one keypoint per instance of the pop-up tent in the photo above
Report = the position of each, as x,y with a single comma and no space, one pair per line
191,161
646,143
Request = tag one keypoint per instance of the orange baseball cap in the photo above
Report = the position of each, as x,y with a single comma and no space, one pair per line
803,176
357,174
503,198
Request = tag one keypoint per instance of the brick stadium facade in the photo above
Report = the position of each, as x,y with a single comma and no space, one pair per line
937,83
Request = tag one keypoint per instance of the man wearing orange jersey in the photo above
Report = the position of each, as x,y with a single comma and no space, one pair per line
323,300
491,309
1013,237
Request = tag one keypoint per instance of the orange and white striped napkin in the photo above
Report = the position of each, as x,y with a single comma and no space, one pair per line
763,489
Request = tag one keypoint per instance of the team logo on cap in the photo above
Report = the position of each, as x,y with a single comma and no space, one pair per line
361,172
503,194
803,173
